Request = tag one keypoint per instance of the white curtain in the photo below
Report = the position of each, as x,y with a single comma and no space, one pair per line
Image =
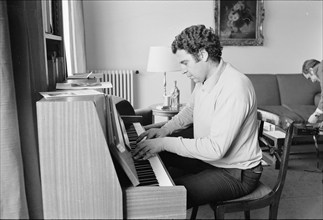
13,203
74,36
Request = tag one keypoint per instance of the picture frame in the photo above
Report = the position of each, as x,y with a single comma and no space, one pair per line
239,23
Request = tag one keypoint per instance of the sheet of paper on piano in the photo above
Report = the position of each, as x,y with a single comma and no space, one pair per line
83,85
67,93
80,76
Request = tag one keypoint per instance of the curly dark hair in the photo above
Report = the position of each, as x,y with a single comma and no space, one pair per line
197,37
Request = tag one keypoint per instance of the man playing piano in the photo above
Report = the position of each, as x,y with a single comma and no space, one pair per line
223,160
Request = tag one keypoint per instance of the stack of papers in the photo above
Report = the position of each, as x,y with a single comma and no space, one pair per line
69,93
84,85
80,76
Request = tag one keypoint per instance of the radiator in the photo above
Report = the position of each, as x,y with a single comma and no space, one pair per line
121,80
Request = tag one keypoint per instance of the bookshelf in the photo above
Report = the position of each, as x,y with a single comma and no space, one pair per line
37,48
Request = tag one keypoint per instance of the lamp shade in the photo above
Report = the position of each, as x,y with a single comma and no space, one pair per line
161,59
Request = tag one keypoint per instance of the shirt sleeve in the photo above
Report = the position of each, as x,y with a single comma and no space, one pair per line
224,130
182,120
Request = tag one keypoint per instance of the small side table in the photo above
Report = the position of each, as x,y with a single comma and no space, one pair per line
278,138
158,110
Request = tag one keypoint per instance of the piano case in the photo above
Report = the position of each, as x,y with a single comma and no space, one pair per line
78,175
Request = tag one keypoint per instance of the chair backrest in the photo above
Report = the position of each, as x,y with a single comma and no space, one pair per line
281,154
284,158
266,88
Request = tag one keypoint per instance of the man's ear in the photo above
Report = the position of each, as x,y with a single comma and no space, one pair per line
316,69
204,55
311,71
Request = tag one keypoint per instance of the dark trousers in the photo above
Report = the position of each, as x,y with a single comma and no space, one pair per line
205,183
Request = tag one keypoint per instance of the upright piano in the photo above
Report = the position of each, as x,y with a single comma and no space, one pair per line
86,166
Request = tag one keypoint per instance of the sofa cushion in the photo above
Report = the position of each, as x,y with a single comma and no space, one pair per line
296,89
304,111
284,117
266,88
282,111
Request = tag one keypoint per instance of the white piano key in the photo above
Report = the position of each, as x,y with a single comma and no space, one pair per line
156,163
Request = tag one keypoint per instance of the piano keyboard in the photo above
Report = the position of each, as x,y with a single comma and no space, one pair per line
151,171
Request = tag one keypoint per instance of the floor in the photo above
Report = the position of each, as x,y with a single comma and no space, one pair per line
302,196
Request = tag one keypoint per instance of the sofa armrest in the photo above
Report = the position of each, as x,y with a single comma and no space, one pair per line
272,118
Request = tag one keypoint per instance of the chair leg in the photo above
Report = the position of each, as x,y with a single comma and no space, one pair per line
247,214
194,212
218,213
273,210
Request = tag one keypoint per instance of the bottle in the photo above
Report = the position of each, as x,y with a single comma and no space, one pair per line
175,98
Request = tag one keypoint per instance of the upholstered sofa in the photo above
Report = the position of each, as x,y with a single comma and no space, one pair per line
288,95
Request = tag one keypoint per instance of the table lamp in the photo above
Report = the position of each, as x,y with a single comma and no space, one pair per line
161,59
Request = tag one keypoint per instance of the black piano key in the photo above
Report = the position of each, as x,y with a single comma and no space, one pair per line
132,137
146,176
145,170
146,183
149,184
143,166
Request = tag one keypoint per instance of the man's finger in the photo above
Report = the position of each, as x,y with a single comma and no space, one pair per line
142,136
140,152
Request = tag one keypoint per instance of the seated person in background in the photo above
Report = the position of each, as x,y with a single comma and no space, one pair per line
223,160
312,69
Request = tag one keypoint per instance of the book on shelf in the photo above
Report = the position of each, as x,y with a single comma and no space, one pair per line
51,77
44,15
61,69
47,11
56,71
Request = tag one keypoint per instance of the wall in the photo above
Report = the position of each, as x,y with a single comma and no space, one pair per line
119,33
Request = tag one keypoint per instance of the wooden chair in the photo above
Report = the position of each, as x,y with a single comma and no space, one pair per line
263,195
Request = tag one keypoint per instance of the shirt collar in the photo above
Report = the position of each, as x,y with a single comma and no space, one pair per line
209,84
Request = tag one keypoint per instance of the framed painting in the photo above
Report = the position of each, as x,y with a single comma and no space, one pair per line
239,23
